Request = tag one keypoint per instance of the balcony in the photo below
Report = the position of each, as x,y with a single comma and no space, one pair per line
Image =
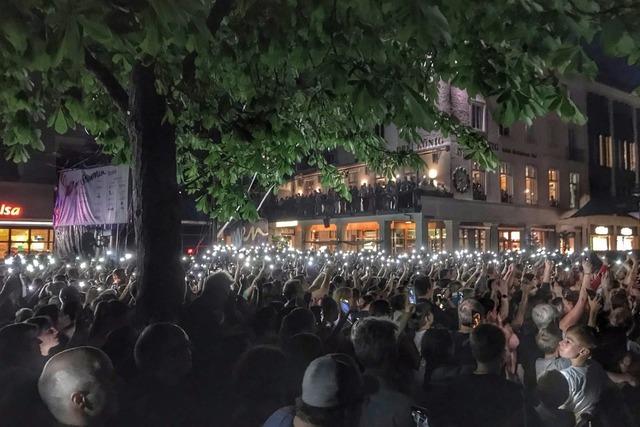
365,201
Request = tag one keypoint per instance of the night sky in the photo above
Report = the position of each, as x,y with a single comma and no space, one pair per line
614,71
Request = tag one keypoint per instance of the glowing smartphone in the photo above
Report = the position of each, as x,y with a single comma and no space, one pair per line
412,295
344,306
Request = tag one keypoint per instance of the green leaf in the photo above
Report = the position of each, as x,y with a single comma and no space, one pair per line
60,122
97,30
16,33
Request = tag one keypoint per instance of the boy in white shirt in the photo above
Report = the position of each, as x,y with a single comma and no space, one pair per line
586,377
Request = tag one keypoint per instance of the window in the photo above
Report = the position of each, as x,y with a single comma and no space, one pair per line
478,115
554,189
504,130
509,240
506,183
478,182
530,185
629,155
24,240
437,235
605,151
574,189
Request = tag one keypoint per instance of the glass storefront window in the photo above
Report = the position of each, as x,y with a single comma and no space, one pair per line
403,236
437,236
538,239
19,235
320,236
510,240
624,243
363,235
39,235
600,243
15,240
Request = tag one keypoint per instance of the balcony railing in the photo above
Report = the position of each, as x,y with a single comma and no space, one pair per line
363,202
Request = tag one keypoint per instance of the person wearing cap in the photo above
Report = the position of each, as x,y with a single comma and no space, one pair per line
332,395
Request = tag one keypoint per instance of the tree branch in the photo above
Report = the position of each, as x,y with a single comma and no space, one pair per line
108,80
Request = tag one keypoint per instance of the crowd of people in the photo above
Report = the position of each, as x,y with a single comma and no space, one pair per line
278,337
401,195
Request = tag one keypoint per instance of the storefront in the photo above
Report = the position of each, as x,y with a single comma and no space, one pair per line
601,238
510,238
437,234
403,236
26,212
613,237
285,233
473,238
320,237
626,238
362,235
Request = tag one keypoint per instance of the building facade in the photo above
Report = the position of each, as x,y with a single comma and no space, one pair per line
541,195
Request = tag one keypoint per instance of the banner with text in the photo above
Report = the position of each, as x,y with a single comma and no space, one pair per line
92,196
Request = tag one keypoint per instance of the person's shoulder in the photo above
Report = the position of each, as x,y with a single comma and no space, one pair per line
283,417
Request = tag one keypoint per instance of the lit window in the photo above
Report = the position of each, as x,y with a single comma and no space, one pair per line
574,189
629,155
506,182
530,185
554,190
605,151
478,115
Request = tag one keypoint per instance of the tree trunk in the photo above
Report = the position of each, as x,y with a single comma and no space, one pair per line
160,288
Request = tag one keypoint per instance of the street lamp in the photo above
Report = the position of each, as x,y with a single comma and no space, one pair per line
433,173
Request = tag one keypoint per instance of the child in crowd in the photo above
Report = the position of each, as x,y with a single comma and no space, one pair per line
586,377
548,340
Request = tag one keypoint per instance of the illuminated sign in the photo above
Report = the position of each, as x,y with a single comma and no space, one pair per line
601,230
8,210
282,224
626,231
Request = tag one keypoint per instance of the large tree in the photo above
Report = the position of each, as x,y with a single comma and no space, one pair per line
210,93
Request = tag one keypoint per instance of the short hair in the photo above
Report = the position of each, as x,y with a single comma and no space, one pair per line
571,296
380,308
548,339
298,321
619,299
467,309
553,389
422,285
291,288
42,322
584,336
436,346
487,343
620,316
374,341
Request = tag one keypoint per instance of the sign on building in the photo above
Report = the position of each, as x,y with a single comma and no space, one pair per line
92,196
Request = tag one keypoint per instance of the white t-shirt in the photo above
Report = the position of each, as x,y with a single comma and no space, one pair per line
585,386
556,364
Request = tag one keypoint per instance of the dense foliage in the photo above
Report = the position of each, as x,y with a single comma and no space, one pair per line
254,86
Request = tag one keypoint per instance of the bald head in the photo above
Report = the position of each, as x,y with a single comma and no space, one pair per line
77,386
